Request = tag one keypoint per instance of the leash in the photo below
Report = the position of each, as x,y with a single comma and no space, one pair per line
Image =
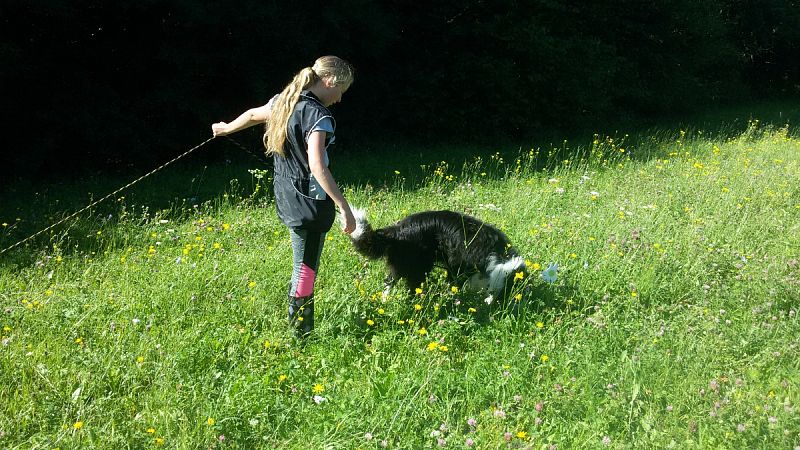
109,195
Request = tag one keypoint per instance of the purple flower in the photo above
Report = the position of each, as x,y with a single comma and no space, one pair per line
472,422
606,441
538,407
469,442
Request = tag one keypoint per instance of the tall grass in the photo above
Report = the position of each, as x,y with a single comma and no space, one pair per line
672,321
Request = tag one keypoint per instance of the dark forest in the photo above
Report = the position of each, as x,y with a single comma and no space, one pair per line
124,85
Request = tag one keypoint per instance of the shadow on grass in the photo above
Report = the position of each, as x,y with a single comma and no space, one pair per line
222,173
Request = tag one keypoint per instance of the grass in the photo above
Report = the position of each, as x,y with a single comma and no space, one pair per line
672,322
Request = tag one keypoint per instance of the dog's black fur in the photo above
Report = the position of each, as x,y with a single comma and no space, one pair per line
463,245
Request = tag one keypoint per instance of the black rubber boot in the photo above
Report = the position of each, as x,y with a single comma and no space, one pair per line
301,315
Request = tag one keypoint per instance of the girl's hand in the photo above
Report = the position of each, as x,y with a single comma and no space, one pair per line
219,129
348,221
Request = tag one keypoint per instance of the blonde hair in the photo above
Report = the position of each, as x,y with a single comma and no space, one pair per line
335,69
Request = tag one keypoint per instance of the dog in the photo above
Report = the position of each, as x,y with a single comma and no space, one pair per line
468,248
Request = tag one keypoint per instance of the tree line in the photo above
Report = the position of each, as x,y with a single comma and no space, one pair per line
90,84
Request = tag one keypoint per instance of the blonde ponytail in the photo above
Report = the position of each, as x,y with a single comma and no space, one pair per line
275,137
339,71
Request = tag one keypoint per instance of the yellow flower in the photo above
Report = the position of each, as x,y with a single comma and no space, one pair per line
381,311
370,322
140,359
282,378
318,388
539,325
433,346
472,310
545,358
522,435
251,284
217,245
519,276
267,344
442,348
79,341
417,307
634,294
151,430
226,226
210,421
418,291
518,297
78,425
423,331
159,441
454,290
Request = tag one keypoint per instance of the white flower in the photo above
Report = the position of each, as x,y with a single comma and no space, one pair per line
551,273
319,399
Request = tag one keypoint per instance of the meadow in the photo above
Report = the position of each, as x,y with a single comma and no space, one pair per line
671,321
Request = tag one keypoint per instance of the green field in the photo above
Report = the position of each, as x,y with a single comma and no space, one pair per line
672,321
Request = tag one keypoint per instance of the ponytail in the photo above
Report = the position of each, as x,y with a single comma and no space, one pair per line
337,70
275,137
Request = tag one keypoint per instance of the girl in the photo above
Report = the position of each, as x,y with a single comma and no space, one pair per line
300,128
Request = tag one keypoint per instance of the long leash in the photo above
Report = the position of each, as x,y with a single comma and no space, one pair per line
76,213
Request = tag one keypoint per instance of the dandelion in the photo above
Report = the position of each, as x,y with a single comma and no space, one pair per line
318,388
454,289
159,441
551,273
545,358
522,435
77,425
417,307
539,325
422,331
210,421
282,378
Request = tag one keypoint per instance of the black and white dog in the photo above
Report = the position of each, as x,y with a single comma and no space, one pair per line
463,245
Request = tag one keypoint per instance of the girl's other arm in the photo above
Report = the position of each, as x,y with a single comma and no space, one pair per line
247,119
316,146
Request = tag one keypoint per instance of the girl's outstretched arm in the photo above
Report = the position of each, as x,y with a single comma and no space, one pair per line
247,119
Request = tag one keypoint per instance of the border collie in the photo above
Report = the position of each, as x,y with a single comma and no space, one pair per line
463,245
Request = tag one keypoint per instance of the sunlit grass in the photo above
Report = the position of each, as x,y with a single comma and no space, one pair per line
670,321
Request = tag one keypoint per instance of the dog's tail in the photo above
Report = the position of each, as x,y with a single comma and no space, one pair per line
365,240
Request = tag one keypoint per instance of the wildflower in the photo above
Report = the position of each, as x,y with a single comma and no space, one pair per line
499,413
469,442
417,307
221,438
281,378
507,436
519,276
539,325
159,441
368,436
251,284
606,441
551,273
370,322
422,331
433,345
318,399
210,421
267,344
418,291
472,422
77,425
472,310
522,435
545,358
318,388
518,297
454,289
538,407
